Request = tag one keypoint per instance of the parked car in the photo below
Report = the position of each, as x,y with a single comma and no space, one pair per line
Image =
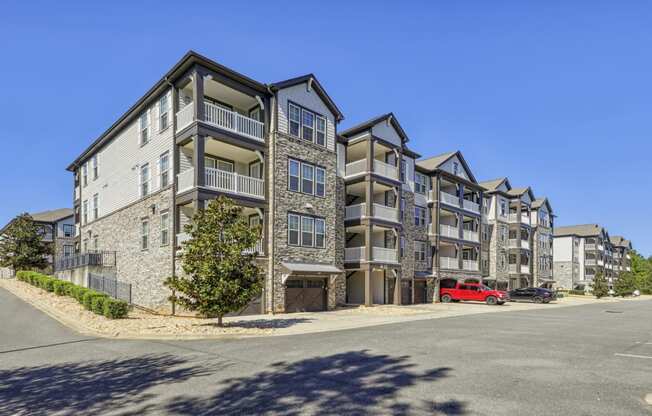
472,291
532,294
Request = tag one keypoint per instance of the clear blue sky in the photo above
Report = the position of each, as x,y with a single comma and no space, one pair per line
555,95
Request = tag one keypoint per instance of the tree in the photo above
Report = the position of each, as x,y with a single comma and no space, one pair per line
642,270
625,284
221,272
22,246
600,287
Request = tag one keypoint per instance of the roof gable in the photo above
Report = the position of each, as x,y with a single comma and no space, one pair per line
391,123
449,162
313,83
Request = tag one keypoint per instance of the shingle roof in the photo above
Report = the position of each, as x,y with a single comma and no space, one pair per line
493,184
372,122
517,191
619,241
318,87
582,230
52,215
434,162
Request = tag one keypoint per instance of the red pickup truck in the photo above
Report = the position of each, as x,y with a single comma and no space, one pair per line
472,291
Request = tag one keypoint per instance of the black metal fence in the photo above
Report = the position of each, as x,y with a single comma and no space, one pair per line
90,258
110,286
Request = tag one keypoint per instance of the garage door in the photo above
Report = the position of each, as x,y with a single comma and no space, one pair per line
419,291
305,295
406,292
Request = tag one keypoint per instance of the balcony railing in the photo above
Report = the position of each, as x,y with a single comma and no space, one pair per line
590,262
590,246
512,243
470,265
354,254
514,218
185,116
355,168
91,258
525,244
237,123
385,212
471,206
448,262
589,276
258,248
471,235
422,266
354,211
449,199
449,231
512,268
388,255
385,169
525,269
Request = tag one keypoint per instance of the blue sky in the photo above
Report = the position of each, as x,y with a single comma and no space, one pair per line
554,95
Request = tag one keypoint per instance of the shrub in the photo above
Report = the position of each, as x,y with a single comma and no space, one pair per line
80,292
115,309
88,297
61,287
47,283
97,304
577,292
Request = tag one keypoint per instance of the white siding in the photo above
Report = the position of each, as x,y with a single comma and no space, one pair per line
311,101
503,187
120,161
563,248
461,172
386,132
341,160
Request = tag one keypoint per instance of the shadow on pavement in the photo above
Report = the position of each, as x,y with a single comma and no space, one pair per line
91,387
267,323
356,382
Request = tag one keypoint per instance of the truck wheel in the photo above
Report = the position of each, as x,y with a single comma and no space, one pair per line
491,300
446,298
538,299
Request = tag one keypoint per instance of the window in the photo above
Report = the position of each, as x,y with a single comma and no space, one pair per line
403,170
307,125
144,128
503,233
485,232
503,208
85,174
144,235
85,245
402,247
164,117
68,230
165,228
419,216
420,183
96,168
164,168
96,206
68,250
320,136
85,211
96,243
502,261
307,231
293,172
402,209
419,251
144,179
456,168
320,182
295,119
320,233
256,170
307,178
293,229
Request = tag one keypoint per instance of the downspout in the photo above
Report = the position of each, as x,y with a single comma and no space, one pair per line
174,193
274,114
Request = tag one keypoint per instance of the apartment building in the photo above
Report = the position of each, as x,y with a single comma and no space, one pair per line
509,231
58,230
542,224
201,131
454,215
583,251
622,259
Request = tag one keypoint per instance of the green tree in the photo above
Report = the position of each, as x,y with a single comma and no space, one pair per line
625,284
600,287
22,246
221,272
642,270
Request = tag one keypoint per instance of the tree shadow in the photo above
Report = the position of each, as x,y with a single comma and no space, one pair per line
90,387
356,382
265,323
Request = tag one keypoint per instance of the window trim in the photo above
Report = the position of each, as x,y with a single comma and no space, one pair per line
418,184
301,217
143,182
96,167
163,172
315,168
144,234
96,206
298,230
311,180
146,138
315,115
165,229
161,113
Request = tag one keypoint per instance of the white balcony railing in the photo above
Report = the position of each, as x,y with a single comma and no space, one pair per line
600,262
185,180
471,235
385,169
185,116
589,276
355,168
514,218
352,254
512,268
230,120
470,265
77,192
589,246
471,206
354,211
389,255
448,262
525,269
385,212
449,199
512,243
235,183
258,248
525,244
449,231
590,262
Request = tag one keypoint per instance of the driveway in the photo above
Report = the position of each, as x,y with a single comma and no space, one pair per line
593,359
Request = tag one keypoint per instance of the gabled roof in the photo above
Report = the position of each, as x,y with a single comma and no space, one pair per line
314,82
351,131
494,184
582,230
518,192
620,241
538,203
53,215
435,162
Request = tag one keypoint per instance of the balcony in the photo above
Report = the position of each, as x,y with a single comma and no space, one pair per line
450,231
525,244
471,206
471,265
449,199
380,168
512,268
471,236
590,262
91,258
354,254
512,243
386,255
224,181
514,219
449,263
225,119
382,212
258,248
525,269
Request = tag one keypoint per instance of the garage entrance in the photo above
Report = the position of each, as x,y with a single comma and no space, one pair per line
420,291
305,295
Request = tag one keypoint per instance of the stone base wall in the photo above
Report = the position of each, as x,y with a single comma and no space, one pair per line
563,273
496,247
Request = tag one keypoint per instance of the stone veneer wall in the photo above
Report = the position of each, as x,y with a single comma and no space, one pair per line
286,201
538,254
144,269
497,246
563,272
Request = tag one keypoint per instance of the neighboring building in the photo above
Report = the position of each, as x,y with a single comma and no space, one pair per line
58,229
542,222
201,131
454,216
622,259
581,252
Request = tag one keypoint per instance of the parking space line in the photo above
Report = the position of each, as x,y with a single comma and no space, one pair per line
634,356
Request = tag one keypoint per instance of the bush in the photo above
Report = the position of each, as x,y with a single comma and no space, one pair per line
97,304
47,283
115,309
88,297
80,292
62,288
577,292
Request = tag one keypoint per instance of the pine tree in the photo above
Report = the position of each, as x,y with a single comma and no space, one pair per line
221,272
600,287
22,246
